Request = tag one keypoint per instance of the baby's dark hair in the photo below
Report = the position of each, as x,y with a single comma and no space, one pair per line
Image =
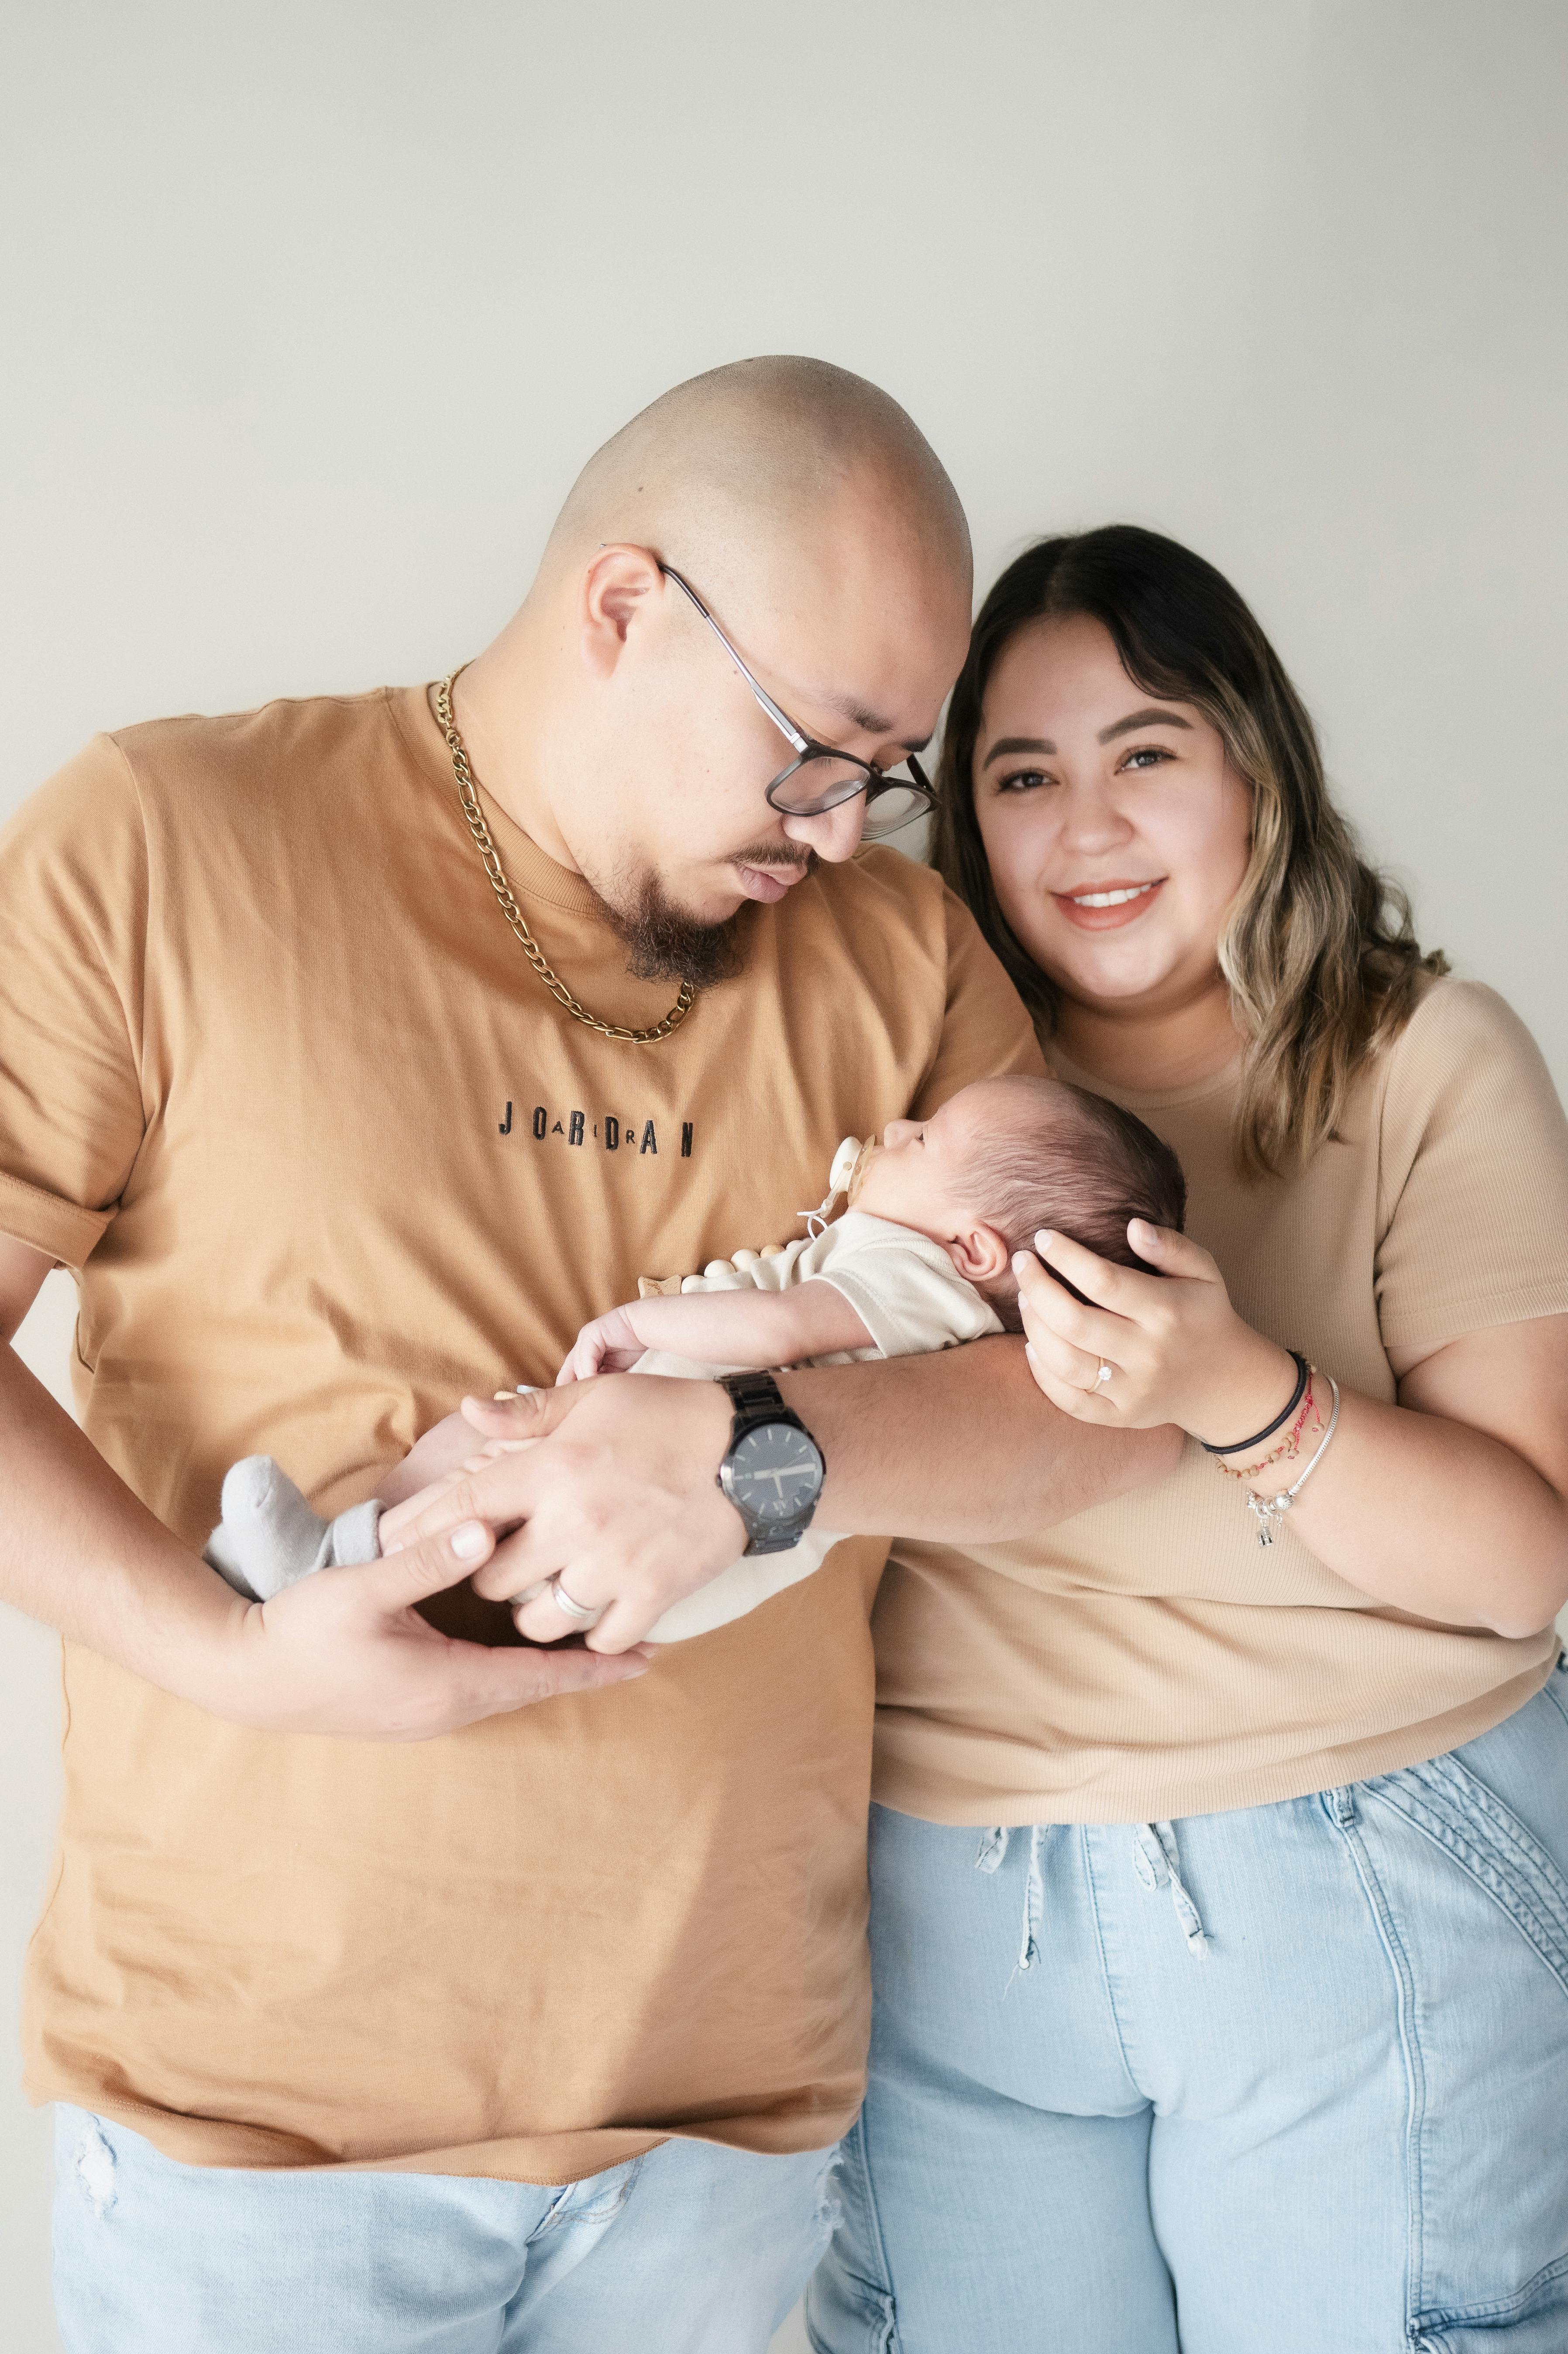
1085,1175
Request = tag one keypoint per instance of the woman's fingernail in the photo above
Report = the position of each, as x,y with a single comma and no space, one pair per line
1021,1262
1029,1351
1043,1239
469,1541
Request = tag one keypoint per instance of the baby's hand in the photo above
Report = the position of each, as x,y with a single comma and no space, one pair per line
607,1345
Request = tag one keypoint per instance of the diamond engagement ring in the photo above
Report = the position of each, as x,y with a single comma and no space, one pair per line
585,1613
1104,1374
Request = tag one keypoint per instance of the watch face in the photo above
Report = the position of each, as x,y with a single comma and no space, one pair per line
775,1473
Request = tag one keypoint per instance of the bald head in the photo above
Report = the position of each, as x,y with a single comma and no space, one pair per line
759,455
819,531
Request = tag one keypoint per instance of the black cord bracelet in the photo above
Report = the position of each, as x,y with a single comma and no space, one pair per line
1303,1374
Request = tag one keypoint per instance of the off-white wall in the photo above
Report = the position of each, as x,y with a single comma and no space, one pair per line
313,313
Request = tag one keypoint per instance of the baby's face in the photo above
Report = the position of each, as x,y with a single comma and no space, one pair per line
928,1173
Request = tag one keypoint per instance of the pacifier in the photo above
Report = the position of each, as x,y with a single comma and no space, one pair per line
849,1163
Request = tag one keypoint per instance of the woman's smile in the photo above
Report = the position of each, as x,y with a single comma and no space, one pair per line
1105,907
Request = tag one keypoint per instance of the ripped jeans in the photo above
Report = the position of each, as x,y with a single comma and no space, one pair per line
689,2250
1293,2078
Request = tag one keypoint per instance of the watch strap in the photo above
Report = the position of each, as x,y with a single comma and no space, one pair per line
758,1399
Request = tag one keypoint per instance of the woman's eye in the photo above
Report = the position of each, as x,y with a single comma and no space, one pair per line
1148,756
1023,780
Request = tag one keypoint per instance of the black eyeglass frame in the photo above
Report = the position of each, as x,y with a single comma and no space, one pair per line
807,748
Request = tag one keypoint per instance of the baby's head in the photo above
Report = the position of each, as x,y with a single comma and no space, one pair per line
1006,1157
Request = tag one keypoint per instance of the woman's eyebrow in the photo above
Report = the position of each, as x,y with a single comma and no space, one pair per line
1010,744
1152,716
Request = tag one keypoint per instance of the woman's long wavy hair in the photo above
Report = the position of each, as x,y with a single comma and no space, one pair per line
1317,948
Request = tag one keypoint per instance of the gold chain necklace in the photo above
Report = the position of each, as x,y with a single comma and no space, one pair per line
468,795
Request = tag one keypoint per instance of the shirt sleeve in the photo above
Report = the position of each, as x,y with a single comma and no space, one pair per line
903,1286
73,921
986,1031
1473,1174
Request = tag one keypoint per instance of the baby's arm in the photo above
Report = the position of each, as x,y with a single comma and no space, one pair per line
754,1328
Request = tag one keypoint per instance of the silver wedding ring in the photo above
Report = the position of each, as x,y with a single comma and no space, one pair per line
584,1613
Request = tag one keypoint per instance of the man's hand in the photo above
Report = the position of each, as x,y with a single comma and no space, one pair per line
345,1652
620,1490
620,1497
400,1523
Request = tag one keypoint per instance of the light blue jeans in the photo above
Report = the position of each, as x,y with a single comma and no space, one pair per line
691,2250
1292,2080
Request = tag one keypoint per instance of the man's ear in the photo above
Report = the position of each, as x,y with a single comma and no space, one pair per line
616,587
980,1255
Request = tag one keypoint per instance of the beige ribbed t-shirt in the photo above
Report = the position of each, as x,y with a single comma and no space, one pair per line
1146,1660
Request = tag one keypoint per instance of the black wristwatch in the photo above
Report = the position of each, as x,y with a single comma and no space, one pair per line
773,1469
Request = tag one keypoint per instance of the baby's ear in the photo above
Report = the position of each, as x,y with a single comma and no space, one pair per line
980,1255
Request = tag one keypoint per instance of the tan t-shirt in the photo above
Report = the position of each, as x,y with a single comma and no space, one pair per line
276,1077
1146,1660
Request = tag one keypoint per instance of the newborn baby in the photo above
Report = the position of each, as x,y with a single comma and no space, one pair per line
920,1259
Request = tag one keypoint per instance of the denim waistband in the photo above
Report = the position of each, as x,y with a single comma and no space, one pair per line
1156,1859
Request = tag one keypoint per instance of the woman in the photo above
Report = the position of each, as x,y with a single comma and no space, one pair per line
1220,1875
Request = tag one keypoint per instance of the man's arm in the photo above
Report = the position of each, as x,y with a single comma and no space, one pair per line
620,1497
344,1653
950,1448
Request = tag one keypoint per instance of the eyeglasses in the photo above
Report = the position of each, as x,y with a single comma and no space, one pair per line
823,776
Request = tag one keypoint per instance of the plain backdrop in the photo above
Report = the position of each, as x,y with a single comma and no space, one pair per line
311,314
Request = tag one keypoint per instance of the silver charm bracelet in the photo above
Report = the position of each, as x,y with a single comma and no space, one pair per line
1270,1511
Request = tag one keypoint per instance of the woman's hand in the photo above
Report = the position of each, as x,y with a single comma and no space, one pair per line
1410,1502
1177,1350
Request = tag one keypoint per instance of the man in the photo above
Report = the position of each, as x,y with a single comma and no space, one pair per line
354,1059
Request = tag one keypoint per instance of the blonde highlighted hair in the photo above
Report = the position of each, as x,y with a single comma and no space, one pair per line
1318,948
